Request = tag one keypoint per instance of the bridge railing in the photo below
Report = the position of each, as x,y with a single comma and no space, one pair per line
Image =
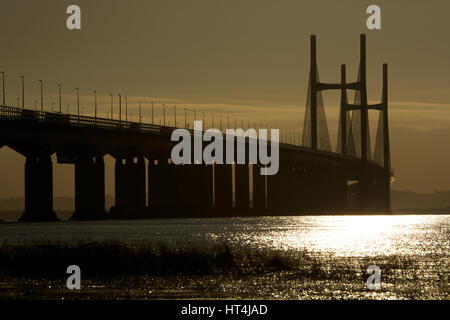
19,114
14,113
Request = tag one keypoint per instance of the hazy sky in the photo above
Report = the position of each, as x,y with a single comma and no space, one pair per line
244,59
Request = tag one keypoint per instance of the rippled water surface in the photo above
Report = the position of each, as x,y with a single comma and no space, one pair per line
412,250
340,235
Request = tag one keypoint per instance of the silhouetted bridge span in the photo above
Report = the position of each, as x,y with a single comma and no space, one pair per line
311,178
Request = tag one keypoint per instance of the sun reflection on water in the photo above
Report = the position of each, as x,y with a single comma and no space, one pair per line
350,235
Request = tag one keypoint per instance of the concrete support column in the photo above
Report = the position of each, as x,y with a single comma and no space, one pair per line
203,188
242,188
277,196
341,191
295,189
161,189
38,189
308,187
186,194
89,188
223,188
259,189
365,191
130,188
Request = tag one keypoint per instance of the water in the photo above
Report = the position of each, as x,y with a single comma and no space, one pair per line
423,241
408,235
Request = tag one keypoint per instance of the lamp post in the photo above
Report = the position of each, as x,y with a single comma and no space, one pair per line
111,105
23,92
78,104
3,85
140,112
126,109
95,104
185,118
152,114
175,113
164,114
42,97
59,86
120,107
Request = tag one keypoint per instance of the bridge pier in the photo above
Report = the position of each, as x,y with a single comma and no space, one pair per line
161,189
259,190
295,189
186,185
130,188
277,193
341,191
223,189
242,188
203,189
38,189
89,188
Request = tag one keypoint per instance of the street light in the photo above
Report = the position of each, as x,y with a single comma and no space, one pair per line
42,97
95,104
140,112
78,104
185,118
120,107
3,84
126,109
23,92
164,114
175,122
152,114
111,105
59,85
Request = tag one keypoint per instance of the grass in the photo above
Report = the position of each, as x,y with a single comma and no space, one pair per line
185,270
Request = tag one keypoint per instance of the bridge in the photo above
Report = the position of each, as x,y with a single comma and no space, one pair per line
312,178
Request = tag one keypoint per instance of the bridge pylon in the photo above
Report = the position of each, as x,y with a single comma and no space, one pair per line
353,135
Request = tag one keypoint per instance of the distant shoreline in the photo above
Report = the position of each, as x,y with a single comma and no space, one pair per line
14,216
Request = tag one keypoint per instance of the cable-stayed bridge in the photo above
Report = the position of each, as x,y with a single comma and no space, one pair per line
312,178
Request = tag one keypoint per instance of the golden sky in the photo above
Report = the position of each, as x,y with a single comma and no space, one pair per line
243,59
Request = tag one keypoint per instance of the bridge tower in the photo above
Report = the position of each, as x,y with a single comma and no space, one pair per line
372,194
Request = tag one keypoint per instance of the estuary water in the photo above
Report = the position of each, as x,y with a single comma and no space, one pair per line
408,235
413,251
